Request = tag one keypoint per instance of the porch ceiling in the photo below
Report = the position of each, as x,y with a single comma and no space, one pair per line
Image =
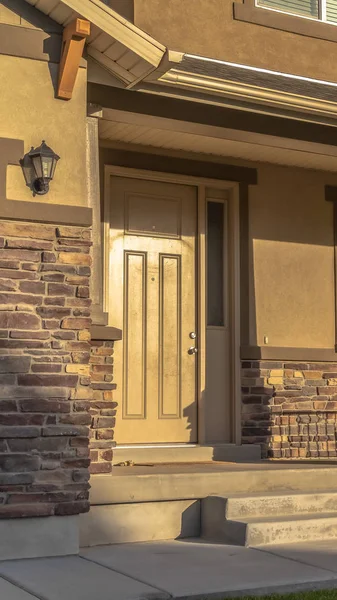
117,45
143,131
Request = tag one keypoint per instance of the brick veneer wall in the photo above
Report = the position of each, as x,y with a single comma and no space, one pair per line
290,408
103,408
45,388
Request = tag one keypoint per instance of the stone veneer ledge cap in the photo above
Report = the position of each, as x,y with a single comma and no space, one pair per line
101,332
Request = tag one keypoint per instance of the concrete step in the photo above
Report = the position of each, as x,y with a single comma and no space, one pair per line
264,530
186,453
277,504
283,530
176,482
246,504
140,522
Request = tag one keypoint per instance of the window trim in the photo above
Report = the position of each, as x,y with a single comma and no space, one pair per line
258,15
322,11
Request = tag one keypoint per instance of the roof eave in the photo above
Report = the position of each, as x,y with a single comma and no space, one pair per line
127,52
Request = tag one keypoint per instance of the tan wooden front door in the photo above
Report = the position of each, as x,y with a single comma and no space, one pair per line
153,300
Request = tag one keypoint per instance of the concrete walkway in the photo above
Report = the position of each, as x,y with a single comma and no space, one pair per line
190,569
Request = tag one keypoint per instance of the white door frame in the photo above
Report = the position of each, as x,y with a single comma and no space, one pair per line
201,184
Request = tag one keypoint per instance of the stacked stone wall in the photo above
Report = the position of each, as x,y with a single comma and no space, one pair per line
102,408
290,408
45,390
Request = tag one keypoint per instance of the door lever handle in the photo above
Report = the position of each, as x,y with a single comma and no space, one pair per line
192,350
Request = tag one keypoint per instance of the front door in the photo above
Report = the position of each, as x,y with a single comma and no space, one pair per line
152,292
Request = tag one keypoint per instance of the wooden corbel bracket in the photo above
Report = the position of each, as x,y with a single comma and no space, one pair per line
74,38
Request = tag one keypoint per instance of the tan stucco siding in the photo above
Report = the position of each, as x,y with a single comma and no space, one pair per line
30,112
207,28
22,14
292,259
10,17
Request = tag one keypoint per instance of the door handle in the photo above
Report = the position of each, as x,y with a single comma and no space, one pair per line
192,350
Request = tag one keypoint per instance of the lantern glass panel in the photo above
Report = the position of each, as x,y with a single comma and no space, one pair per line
55,160
37,162
28,170
47,166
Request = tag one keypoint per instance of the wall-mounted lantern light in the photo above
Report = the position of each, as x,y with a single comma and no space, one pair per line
38,167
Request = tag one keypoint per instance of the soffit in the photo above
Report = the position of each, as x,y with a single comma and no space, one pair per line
116,44
138,132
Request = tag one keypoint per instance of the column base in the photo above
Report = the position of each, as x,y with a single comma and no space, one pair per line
39,537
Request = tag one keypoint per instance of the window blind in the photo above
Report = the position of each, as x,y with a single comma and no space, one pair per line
307,8
331,11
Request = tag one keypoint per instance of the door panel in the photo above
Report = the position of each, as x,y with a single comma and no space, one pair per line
153,300
135,335
169,337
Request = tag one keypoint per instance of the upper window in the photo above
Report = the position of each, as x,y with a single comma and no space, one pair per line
323,10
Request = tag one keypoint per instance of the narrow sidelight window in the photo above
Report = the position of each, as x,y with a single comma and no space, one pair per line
215,263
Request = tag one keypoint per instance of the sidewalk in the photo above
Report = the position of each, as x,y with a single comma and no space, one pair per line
173,569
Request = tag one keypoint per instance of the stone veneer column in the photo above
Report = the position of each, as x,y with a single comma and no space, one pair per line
44,370
102,407
290,408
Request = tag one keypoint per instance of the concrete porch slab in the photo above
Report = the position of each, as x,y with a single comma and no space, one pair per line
194,481
186,453
197,569
8,591
73,578
317,554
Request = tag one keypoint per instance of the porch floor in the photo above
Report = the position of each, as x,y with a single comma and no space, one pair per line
178,481
189,569
216,466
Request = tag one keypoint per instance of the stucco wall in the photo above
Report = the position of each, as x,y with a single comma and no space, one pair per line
291,259
207,28
11,17
20,13
30,112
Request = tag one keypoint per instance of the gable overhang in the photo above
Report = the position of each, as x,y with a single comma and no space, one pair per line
135,60
121,48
